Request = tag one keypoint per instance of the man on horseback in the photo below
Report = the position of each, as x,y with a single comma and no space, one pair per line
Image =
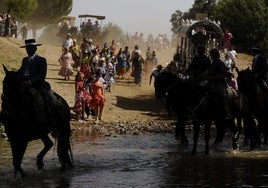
32,74
260,68
217,75
200,65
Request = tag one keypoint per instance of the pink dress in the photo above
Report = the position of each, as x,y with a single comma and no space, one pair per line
82,97
66,61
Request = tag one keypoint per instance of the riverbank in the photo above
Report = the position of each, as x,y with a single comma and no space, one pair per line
124,127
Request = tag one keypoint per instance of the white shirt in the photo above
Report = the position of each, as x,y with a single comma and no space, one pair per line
228,63
67,43
27,73
232,54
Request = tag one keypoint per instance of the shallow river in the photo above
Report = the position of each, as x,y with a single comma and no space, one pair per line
154,160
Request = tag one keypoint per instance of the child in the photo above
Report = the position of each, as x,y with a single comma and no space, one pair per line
232,81
66,61
82,97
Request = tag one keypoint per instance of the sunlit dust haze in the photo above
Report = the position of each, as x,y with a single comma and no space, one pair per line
142,16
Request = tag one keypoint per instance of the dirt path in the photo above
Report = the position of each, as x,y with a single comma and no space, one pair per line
125,102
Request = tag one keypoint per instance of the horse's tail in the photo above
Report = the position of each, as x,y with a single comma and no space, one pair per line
64,138
64,149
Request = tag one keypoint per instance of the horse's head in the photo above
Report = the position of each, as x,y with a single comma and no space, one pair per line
11,89
246,80
163,81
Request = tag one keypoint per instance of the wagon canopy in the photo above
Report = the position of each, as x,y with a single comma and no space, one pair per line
211,28
92,16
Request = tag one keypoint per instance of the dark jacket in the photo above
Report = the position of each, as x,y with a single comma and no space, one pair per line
200,63
218,68
260,67
37,69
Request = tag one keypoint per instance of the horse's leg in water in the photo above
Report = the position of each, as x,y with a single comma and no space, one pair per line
207,127
196,126
251,131
220,131
180,128
247,121
239,125
207,135
47,146
18,149
265,130
235,131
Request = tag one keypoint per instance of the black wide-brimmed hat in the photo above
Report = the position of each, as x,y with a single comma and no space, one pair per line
256,49
159,66
30,42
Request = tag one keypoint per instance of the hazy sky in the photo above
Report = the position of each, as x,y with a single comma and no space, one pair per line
143,16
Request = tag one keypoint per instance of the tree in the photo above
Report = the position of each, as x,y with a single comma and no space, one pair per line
49,12
246,20
176,21
18,8
201,6
111,32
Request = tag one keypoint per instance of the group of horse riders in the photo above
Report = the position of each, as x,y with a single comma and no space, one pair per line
212,74
203,69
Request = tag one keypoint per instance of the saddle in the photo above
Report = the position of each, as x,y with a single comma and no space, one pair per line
39,105
46,104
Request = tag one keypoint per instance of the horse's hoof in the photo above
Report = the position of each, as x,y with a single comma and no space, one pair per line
40,165
235,146
70,164
22,173
184,142
62,168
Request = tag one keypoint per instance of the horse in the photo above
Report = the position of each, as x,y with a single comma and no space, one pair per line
258,108
200,103
184,102
24,121
163,80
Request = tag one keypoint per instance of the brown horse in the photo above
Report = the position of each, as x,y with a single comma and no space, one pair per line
250,86
22,123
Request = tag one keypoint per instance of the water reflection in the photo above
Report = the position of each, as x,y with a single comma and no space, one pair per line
139,161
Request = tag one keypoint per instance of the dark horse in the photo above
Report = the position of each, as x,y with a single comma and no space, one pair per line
199,102
249,85
187,102
22,123
163,81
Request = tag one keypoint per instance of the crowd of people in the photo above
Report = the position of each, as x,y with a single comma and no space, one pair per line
10,27
97,67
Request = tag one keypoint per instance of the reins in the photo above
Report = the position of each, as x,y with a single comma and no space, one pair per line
193,110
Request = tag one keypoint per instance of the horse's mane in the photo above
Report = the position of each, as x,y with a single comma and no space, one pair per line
248,85
246,80
11,89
